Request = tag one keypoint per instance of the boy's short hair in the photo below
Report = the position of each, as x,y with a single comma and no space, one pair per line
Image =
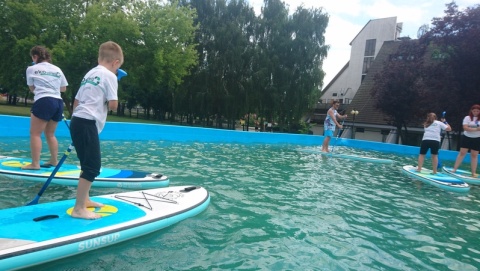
110,51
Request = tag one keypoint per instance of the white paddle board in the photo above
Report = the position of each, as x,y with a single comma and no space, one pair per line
68,175
35,234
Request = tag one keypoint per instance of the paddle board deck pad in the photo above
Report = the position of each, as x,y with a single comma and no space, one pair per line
440,179
36,234
351,156
463,175
68,175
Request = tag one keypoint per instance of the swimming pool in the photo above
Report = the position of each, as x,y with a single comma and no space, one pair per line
274,207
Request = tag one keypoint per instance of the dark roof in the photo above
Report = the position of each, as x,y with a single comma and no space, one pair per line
363,100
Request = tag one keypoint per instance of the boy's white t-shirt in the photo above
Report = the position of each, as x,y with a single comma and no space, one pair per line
47,80
97,88
432,132
472,124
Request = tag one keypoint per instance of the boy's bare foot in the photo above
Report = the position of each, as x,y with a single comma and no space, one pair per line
30,167
475,175
90,203
85,214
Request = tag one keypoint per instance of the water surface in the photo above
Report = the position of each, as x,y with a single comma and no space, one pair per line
274,207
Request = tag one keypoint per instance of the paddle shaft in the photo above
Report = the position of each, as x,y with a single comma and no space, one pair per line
447,132
338,135
49,180
55,170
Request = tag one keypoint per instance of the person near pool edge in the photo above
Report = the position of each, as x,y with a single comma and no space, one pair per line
470,140
97,94
431,140
330,123
46,81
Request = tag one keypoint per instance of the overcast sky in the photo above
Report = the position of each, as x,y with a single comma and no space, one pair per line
348,17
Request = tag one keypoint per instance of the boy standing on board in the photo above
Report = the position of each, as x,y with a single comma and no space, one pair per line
97,95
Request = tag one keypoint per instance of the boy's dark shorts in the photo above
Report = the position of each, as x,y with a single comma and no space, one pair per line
48,108
87,145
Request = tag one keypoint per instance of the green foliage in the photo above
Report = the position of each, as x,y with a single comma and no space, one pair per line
453,76
437,73
305,127
207,60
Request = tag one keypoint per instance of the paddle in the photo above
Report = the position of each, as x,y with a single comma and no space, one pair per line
67,152
338,135
121,73
439,164
49,180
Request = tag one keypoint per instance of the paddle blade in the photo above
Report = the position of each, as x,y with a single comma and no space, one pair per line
34,201
121,73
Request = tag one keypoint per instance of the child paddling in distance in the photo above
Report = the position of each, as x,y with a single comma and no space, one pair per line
470,140
431,140
330,123
97,95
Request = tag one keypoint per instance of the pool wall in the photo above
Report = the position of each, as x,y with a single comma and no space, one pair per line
14,126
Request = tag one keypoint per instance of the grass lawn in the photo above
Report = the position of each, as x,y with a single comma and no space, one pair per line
22,110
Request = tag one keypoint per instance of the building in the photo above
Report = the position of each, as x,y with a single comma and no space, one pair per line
371,48
365,46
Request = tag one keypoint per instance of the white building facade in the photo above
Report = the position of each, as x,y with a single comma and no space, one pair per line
364,48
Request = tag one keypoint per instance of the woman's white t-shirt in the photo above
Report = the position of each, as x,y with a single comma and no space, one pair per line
472,124
432,132
97,88
47,80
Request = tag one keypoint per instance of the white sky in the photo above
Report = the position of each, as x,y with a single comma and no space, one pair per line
348,17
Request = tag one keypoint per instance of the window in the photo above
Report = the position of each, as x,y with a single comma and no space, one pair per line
367,62
370,47
334,94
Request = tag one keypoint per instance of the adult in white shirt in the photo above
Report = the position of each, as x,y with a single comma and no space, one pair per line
470,140
431,140
46,81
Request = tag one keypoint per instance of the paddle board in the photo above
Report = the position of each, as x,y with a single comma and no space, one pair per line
36,234
68,175
351,156
463,175
440,179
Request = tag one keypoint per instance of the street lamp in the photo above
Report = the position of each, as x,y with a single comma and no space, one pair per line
354,113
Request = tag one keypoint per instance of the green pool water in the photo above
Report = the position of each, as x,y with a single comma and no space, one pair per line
274,207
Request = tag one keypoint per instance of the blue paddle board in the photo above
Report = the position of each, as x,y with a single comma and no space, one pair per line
439,179
463,175
68,175
351,157
35,234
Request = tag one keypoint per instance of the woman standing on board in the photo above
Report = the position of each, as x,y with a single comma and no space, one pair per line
46,81
330,123
470,140
431,140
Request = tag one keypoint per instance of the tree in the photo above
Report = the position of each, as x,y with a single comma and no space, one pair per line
398,88
166,53
454,43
